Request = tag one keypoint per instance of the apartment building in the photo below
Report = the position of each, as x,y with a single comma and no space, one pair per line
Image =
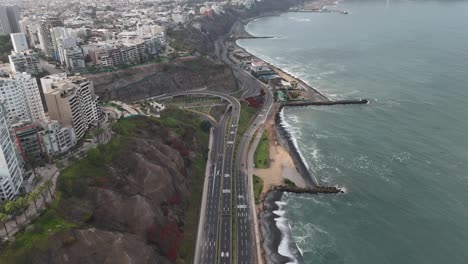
25,61
71,101
22,99
10,172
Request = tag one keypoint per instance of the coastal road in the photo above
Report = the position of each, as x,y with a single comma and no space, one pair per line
216,234
209,235
248,247
247,231
248,234
225,237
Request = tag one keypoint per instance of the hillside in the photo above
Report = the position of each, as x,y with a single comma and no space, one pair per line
135,199
158,78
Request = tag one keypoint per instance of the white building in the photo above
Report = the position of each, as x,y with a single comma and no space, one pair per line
20,93
25,61
71,101
55,138
10,172
19,42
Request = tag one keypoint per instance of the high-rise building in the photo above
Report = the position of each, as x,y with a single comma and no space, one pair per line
25,61
45,36
71,101
19,42
22,98
10,171
28,141
9,20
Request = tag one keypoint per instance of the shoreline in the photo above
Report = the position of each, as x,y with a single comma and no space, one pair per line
241,33
270,235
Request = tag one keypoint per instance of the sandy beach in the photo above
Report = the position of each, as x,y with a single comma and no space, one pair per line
281,167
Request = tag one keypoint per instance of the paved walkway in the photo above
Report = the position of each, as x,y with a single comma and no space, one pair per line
48,172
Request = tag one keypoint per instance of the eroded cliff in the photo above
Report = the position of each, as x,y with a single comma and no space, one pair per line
133,200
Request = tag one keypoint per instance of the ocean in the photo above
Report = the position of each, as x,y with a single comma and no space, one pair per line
403,159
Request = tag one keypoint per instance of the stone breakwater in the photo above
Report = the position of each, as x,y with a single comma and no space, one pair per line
312,190
286,140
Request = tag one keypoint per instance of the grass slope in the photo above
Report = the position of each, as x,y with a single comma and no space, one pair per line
258,186
262,154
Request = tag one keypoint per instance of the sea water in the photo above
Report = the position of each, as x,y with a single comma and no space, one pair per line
403,159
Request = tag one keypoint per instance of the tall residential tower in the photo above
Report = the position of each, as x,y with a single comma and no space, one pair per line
10,171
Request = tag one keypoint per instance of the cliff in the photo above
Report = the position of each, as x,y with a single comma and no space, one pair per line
201,33
134,200
148,80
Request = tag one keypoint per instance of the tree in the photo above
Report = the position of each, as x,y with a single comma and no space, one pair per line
41,190
48,183
32,197
32,163
205,125
3,219
11,209
22,203
98,133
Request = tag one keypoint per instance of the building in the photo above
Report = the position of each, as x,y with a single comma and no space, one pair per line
74,59
25,61
22,99
45,36
55,138
10,171
28,141
71,101
19,42
9,20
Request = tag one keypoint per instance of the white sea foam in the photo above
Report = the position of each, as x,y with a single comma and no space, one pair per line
342,188
300,250
284,226
299,19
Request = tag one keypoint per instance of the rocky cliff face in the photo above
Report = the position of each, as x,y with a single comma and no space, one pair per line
154,79
129,199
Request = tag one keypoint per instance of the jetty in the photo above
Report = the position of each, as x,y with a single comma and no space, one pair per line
311,189
336,102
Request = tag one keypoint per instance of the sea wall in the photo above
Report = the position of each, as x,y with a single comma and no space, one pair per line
286,139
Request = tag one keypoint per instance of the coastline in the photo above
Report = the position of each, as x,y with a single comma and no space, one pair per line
271,242
271,235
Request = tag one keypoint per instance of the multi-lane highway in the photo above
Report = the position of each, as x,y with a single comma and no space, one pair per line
208,247
248,247
215,236
228,179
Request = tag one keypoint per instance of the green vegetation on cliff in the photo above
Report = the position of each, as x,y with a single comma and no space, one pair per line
73,209
258,187
247,114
